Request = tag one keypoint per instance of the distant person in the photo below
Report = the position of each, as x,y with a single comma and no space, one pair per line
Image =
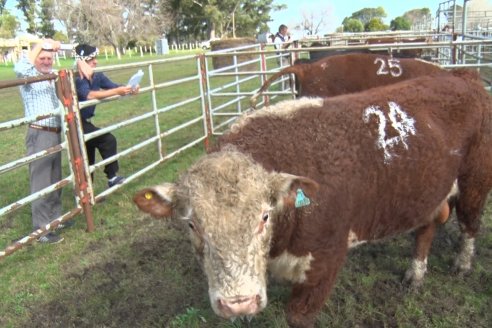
91,85
40,98
281,41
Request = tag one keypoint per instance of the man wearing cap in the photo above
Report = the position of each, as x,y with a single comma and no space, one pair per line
95,85
39,100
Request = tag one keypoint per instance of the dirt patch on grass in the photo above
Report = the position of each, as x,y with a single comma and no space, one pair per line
142,285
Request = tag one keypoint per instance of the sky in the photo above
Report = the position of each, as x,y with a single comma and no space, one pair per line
335,10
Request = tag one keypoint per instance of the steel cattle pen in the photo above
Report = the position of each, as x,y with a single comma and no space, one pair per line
215,97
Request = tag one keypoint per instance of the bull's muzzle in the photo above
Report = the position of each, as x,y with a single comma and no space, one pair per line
238,306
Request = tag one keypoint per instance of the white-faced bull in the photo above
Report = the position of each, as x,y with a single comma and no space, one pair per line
289,190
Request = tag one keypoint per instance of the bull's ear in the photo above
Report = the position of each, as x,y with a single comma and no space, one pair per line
292,190
157,201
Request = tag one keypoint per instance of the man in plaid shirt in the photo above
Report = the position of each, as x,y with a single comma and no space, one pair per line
40,99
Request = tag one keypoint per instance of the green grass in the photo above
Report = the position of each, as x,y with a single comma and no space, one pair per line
134,271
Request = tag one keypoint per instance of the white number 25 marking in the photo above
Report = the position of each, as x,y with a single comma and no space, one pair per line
400,121
393,67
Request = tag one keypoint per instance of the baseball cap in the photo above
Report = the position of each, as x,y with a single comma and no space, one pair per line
85,52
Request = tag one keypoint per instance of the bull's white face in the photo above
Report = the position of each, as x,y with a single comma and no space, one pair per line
228,209
230,205
233,250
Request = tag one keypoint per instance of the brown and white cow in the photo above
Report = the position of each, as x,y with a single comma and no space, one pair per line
353,73
292,188
341,74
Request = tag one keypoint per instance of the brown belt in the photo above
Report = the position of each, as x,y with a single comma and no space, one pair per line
45,128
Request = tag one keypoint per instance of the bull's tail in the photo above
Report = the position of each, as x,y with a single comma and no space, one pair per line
266,84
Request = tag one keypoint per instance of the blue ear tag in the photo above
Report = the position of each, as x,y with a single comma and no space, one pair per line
301,199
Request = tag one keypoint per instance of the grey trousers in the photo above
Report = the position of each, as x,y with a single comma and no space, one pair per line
44,172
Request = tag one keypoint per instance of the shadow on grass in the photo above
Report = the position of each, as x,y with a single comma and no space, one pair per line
141,283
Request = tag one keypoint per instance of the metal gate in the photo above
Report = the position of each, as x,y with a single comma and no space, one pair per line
78,179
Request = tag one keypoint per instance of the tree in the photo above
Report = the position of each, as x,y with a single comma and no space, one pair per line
352,25
313,22
187,18
239,17
419,18
28,8
371,19
400,23
47,28
114,22
60,36
2,5
367,14
414,16
375,24
208,18
8,25
252,17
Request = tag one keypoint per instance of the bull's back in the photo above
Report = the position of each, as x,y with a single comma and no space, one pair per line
374,150
338,75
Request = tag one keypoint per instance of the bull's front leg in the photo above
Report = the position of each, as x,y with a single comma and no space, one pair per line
306,302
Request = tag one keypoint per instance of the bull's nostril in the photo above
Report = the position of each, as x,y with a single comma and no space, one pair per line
240,300
221,302
239,306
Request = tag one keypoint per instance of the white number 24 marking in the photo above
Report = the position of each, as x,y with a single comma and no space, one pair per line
392,67
400,121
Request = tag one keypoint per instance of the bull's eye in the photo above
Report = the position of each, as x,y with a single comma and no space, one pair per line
263,222
265,216
191,225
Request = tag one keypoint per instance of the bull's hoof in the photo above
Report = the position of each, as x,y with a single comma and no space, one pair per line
463,262
414,276
460,270
411,282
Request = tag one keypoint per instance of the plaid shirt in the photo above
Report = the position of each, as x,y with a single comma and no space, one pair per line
39,98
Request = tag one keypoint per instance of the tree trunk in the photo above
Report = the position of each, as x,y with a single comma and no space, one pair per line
212,30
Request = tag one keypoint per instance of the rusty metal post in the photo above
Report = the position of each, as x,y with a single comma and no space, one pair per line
295,55
454,51
65,87
266,99
206,107
27,80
